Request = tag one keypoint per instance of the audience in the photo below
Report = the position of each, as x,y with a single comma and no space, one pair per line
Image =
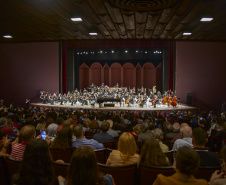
63,139
36,166
175,131
147,128
126,153
136,131
186,135
5,128
158,134
186,164
207,158
112,132
83,169
27,134
81,140
152,155
103,136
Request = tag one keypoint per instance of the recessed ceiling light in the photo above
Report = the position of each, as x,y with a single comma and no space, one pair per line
7,36
206,19
92,33
76,19
187,33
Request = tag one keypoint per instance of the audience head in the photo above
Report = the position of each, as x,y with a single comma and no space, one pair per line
94,124
127,145
78,131
110,122
158,134
105,126
185,131
199,137
176,127
144,127
63,139
83,168
137,129
152,155
36,167
115,126
3,121
187,160
59,120
27,133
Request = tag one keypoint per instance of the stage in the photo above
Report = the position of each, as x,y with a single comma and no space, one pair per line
116,106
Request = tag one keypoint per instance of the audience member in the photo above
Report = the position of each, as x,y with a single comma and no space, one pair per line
158,134
103,136
186,164
218,178
186,135
152,155
63,139
112,132
94,127
126,153
207,158
81,140
147,128
5,128
27,134
83,169
175,131
36,166
53,127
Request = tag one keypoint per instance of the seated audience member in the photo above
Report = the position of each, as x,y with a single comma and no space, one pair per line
83,169
186,135
126,153
41,125
59,122
27,134
207,158
116,127
63,139
36,166
136,131
218,178
103,136
147,128
179,136
175,131
186,164
94,127
81,140
4,143
152,155
53,127
5,128
112,132
158,134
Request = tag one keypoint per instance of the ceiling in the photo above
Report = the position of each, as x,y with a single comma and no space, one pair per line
49,20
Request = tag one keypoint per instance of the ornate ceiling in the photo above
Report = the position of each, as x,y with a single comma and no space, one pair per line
49,20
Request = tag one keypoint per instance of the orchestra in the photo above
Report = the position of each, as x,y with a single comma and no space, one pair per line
92,94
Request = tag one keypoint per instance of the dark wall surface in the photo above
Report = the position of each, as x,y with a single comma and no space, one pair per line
200,70
27,69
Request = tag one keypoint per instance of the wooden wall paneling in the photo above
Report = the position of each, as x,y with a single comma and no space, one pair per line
138,76
115,77
106,75
159,77
128,69
96,74
149,75
83,76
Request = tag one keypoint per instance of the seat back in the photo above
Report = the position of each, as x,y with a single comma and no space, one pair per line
61,169
123,175
205,172
3,172
101,155
108,151
170,155
149,174
63,154
12,166
89,135
109,144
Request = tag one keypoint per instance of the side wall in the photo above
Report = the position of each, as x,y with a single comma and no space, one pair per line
200,70
26,69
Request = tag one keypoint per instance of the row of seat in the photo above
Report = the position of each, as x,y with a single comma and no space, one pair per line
123,175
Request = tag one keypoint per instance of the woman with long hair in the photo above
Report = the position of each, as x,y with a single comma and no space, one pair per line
126,153
63,139
83,169
152,155
36,166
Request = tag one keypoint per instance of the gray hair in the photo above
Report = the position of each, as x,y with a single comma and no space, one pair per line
158,134
144,127
186,131
3,121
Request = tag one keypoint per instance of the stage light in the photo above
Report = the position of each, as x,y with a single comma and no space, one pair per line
126,51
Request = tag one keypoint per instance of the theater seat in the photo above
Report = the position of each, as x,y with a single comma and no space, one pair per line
205,172
149,174
3,172
123,175
62,154
101,155
61,169
12,166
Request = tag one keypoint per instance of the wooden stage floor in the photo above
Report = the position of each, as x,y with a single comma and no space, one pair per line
123,107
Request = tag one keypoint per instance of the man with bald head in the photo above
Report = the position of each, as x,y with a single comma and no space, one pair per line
186,135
